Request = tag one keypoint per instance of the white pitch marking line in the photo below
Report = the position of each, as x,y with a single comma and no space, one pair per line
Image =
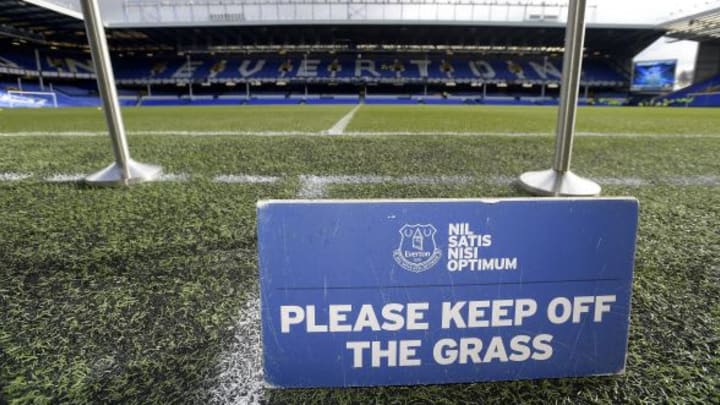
312,186
529,134
50,133
316,186
240,379
64,178
160,133
693,180
75,177
340,126
501,180
224,133
14,176
354,134
175,177
245,178
620,181
425,180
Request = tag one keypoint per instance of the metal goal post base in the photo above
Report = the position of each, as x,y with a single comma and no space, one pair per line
114,175
560,184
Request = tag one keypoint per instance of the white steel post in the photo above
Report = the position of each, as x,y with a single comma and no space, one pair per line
560,181
124,171
39,70
189,76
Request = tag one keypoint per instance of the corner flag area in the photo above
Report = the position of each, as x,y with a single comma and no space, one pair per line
150,294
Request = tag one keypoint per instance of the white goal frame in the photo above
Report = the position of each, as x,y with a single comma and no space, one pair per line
52,95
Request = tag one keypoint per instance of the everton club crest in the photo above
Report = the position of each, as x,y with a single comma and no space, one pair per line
418,251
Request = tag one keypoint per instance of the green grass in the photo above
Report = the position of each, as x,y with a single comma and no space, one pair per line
240,118
378,155
534,119
371,118
131,295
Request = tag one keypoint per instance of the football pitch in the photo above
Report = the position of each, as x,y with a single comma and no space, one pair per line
150,294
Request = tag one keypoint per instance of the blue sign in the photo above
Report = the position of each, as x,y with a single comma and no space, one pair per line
360,293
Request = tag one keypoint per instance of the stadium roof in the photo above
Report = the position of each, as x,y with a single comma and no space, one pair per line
604,39
27,22
22,22
703,27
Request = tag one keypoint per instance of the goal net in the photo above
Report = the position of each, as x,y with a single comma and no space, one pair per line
29,99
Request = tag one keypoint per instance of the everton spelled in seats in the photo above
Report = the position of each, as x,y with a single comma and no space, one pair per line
350,67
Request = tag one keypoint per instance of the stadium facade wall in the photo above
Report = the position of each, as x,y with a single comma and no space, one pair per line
707,63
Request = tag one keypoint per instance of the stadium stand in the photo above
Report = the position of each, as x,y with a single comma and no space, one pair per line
702,94
211,62
326,67
218,72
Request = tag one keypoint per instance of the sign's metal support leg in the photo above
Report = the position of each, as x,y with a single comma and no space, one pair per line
124,171
560,181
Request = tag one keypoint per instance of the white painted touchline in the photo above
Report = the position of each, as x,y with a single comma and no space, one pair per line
620,181
245,178
174,177
162,133
225,133
694,180
433,180
76,177
340,126
316,186
526,134
240,379
14,176
353,134
49,133
65,178
499,180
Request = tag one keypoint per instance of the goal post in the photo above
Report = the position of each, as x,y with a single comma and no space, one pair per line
19,98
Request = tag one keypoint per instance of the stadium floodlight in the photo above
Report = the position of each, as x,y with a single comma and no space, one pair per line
560,181
124,171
